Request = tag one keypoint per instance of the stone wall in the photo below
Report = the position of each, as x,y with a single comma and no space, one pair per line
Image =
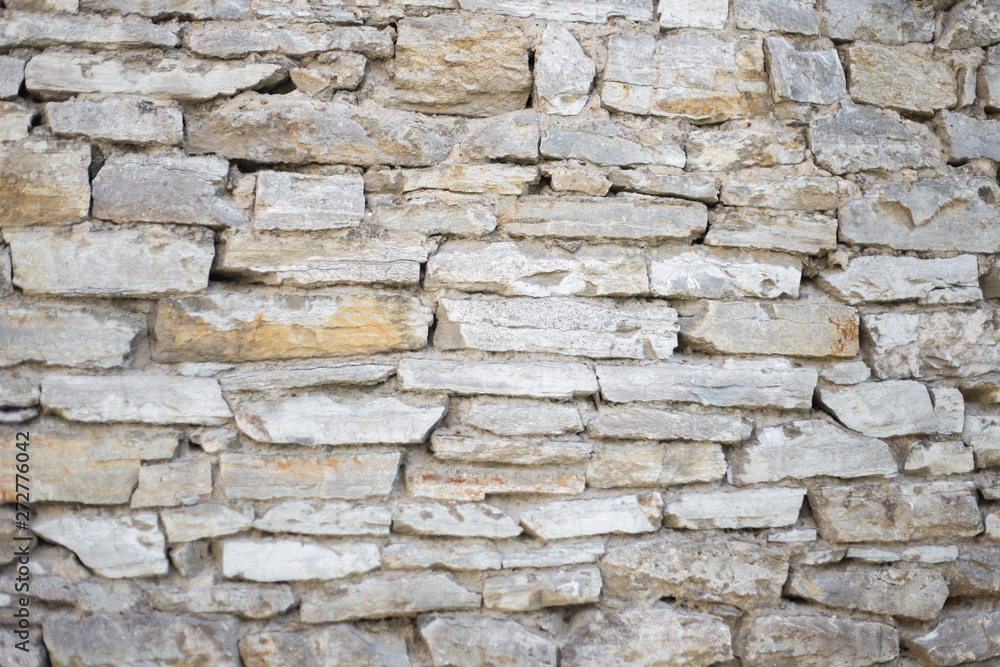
509,332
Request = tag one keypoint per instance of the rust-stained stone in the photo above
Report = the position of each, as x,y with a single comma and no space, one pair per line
338,476
44,183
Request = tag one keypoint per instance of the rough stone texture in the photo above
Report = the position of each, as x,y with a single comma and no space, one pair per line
972,23
805,193
812,640
381,596
188,524
308,202
580,518
516,452
195,9
883,21
958,639
747,508
11,77
172,484
804,72
656,423
882,409
462,520
982,433
333,645
236,40
30,29
721,150
338,476
900,80
319,518
618,465
589,11
138,541
906,591
527,591
460,640
424,214
563,73
612,144
720,273
129,120
294,377
293,560
44,183
257,602
512,419
969,138
768,229
926,281
532,379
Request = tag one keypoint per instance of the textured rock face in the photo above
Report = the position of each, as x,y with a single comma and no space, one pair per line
128,120
348,477
378,597
804,72
290,201
292,560
719,273
563,73
596,218
930,281
483,641
882,409
811,640
900,80
578,518
139,543
748,508
65,197
906,591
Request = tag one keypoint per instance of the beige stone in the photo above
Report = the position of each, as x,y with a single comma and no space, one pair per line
252,602
509,418
900,80
692,272
15,121
195,9
631,465
305,517
329,647
545,379
432,213
307,375
802,193
516,452
204,520
901,590
773,507
882,409
338,476
588,11
812,640
308,202
44,182
184,482
458,555
768,229
663,423
563,73
126,119
959,637
294,560
454,520
237,39
528,591
378,596
723,150
926,281
34,29
583,518
477,641
139,543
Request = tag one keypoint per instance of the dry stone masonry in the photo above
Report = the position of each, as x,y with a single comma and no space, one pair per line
535,333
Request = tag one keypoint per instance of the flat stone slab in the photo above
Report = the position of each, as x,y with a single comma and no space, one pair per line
543,379
581,518
326,477
379,596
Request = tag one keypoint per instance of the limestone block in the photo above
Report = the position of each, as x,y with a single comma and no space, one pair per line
324,477
581,518
308,202
783,641
975,573
11,77
611,144
939,458
908,591
959,638
772,507
15,121
514,452
982,433
205,520
802,193
34,29
680,14
720,273
328,73
252,602
803,71
294,377
968,138
308,517
161,9
882,409
768,229
797,16
882,21
517,419
900,80
333,645
550,554
129,120
563,73
454,520
44,182
378,596
139,544
969,24
722,150
294,560
949,408
545,379
511,137
643,422
588,11
237,39
183,482
498,179
425,213
662,181
623,465
926,281
849,372
421,554
479,641
528,591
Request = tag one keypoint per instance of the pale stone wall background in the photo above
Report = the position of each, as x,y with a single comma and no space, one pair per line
523,332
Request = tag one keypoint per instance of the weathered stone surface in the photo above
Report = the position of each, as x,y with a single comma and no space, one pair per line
805,72
719,273
882,409
138,551
680,14
87,260
988,85
18,392
527,591
657,423
550,554
860,138
224,39
339,476
596,329
982,433
421,554
129,120
589,11
491,76
293,560
664,181
330,647
563,72
294,377
959,638
380,596
777,15
900,80
896,590
811,641
953,214
949,408
914,554
182,482
532,269
134,639
767,229
501,179
60,75
326,132
768,383
67,335
969,24
511,137
809,193
746,508
809,448
320,420
612,144
882,21
544,379
330,72
514,419
187,524
309,202
478,642
976,573
424,213
730,571
645,637
576,178
795,329
153,399
456,520
849,372
31,29
580,518
427,478
598,218
15,121
44,183
88,595
927,281
307,517
623,465
968,138
721,150
11,76
896,512
701,76
516,452
160,9
257,602
253,327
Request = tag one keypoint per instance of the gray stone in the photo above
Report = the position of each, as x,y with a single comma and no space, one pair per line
969,138
183,482
988,85
88,260
681,14
880,21
900,80
15,121
294,560
766,146
252,602
544,379
44,182
139,549
546,554
88,595
664,181
426,213
515,452
205,520
60,75
596,329
622,465
455,520
744,508
971,23
517,419
693,272
976,573
497,179
926,281
129,120
153,399
18,392
643,422
31,29
743,383
537,590
959,638
479,642
161,9
307,517
511,137
777,640
582,518
644,638
777,15
330,72
982,433
882,409
907,591
896,512
299,10
11,76
588,11
806,193
295,377
805,72
308,202
332,646
191,559
237,39
563,73
337,476
914,554
378,596
611,144
949,408
768,229
422,554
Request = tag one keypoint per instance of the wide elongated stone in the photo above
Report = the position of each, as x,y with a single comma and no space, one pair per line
730,571
331,646
666,181
252,602
882,409
326,132
805,72
44,183
959,638
432,213
807,193
153,399
309,202
720,273
87,260
545,379
630,217
697,75
161,9
236,39
422,554
294,377
580,518
630,465
657,423
471,640
900,80
139,549
809,448
971,24
63,74
68,335
896,512
522,418
786,641
882,22
253,327
532,269
129,120
527,591
183,482
563,72
427,478
516,452
680,14
338,476
645,637
293,560
926,281
969,138
32,29
797,16
768,229
807,330
588,11
498,179
596,329
722,150
381,596
187,524
136,639
744,383
748,508
939,458
550,554
896,590
454,520
306,517
610,144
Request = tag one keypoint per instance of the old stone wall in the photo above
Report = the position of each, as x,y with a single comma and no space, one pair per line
509,332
